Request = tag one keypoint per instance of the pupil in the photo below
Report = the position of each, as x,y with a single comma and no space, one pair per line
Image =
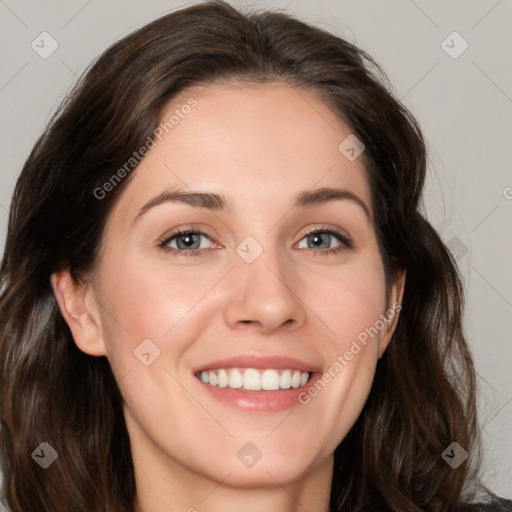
189,239
317,238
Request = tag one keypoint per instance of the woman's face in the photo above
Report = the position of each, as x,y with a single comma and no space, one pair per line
256,298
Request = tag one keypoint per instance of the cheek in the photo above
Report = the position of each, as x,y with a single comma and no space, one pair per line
350,300
350,305
147,300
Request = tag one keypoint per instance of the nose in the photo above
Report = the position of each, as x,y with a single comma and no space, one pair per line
266,295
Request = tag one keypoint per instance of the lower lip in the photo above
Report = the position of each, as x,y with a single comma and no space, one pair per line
265,401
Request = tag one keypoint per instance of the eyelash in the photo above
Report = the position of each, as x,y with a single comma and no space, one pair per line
346,243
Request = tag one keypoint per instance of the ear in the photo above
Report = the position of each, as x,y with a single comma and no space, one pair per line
80,310
394,305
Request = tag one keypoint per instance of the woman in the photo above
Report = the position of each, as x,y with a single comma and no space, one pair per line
178,332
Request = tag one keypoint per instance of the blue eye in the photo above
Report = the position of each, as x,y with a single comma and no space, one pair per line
319,236
185,240
188,242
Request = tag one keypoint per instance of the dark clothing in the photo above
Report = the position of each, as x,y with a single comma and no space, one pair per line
502,505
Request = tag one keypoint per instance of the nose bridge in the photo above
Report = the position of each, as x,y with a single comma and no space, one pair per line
261,259
264,283
262,252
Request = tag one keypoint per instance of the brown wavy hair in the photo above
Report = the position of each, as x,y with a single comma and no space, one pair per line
423,395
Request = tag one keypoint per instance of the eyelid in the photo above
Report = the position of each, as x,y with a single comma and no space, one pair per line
166,239
187,228
329,229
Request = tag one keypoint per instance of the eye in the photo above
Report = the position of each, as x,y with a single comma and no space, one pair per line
188,242
322,238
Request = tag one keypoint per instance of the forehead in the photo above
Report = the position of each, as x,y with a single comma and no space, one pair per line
260,145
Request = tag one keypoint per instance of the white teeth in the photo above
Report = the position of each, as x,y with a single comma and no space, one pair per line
270,380
255,380
223,379
235,379
212,377
252,380
286,379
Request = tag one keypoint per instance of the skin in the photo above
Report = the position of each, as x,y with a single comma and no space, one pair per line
260,146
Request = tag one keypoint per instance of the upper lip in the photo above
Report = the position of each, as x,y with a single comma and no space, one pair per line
259,362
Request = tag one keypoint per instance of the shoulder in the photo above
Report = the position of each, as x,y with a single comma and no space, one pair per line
501,505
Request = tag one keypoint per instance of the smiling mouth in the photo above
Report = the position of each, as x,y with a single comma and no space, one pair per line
251,379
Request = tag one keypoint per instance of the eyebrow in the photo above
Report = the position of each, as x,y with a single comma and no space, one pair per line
220,203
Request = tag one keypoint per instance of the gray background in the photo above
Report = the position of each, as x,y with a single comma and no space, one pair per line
463,104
